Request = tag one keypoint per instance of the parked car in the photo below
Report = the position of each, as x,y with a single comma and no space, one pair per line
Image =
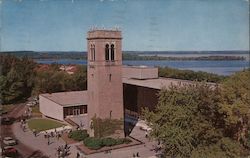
7,120
9,141
9,151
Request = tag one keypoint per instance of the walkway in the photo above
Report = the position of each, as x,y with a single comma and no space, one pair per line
6,130
39,142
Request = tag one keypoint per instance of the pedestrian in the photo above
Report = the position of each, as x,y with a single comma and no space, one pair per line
34,131
77,155
137,154
58,135
23,127
48,140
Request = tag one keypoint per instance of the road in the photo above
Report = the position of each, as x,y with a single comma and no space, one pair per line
6,130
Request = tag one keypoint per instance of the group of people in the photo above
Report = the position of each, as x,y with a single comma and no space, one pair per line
52,134
23,124
136,155
28,112
63,151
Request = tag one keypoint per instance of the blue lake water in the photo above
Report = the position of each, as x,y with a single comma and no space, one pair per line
227,67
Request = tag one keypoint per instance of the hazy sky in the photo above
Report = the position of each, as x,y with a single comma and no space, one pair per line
146,24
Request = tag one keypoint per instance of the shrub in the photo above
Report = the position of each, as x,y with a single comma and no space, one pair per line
97,143
123,141
109,141
93,143
78,135
126,140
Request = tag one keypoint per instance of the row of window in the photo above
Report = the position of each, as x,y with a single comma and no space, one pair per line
109,52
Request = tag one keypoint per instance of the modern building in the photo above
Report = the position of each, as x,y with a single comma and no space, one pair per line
114,91
64,104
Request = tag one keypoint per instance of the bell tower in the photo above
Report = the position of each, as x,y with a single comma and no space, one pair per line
105,89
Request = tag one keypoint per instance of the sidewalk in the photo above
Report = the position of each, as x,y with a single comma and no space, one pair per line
39,142
59,129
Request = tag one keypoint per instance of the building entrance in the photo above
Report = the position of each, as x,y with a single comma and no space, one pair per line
76,111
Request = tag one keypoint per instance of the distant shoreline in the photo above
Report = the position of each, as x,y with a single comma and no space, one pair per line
139,55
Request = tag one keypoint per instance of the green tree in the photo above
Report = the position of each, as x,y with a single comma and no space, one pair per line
17,79
235,106
188,123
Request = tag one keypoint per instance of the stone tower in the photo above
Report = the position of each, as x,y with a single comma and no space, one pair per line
105,91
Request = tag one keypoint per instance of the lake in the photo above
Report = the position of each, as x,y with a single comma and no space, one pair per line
225,67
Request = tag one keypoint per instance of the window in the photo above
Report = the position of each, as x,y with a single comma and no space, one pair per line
112,52
92,52
107,52
110,77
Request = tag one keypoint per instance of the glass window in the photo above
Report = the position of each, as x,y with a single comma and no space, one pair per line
112,52
107,52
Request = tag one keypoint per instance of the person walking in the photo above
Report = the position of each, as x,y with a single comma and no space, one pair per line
48,140
77,155
137,154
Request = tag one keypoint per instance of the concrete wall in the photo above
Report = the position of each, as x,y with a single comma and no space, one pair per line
139,72
50,108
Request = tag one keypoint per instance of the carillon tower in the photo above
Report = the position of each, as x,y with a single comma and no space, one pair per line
105,91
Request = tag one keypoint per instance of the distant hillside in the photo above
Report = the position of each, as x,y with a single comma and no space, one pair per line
137,55
49,54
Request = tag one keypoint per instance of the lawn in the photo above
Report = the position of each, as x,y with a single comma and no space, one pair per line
43,124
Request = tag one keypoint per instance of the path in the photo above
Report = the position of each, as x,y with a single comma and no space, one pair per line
6,130
41,143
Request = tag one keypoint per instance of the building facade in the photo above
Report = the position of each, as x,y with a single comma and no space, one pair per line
105,91
113,91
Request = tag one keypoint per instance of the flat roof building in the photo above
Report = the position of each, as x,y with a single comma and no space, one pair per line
113,90
63,104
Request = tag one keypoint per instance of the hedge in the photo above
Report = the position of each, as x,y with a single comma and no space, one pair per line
93,143
97,143
78,135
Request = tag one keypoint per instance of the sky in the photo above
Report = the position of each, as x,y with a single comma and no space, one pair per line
146,25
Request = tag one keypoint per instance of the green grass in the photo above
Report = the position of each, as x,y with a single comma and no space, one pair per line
43,124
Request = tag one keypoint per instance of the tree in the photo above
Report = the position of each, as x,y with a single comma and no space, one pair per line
17,79
188,123
235,106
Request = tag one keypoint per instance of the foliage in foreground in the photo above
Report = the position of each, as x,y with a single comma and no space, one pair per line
202,121
16,78
97,143
20,78
78,135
